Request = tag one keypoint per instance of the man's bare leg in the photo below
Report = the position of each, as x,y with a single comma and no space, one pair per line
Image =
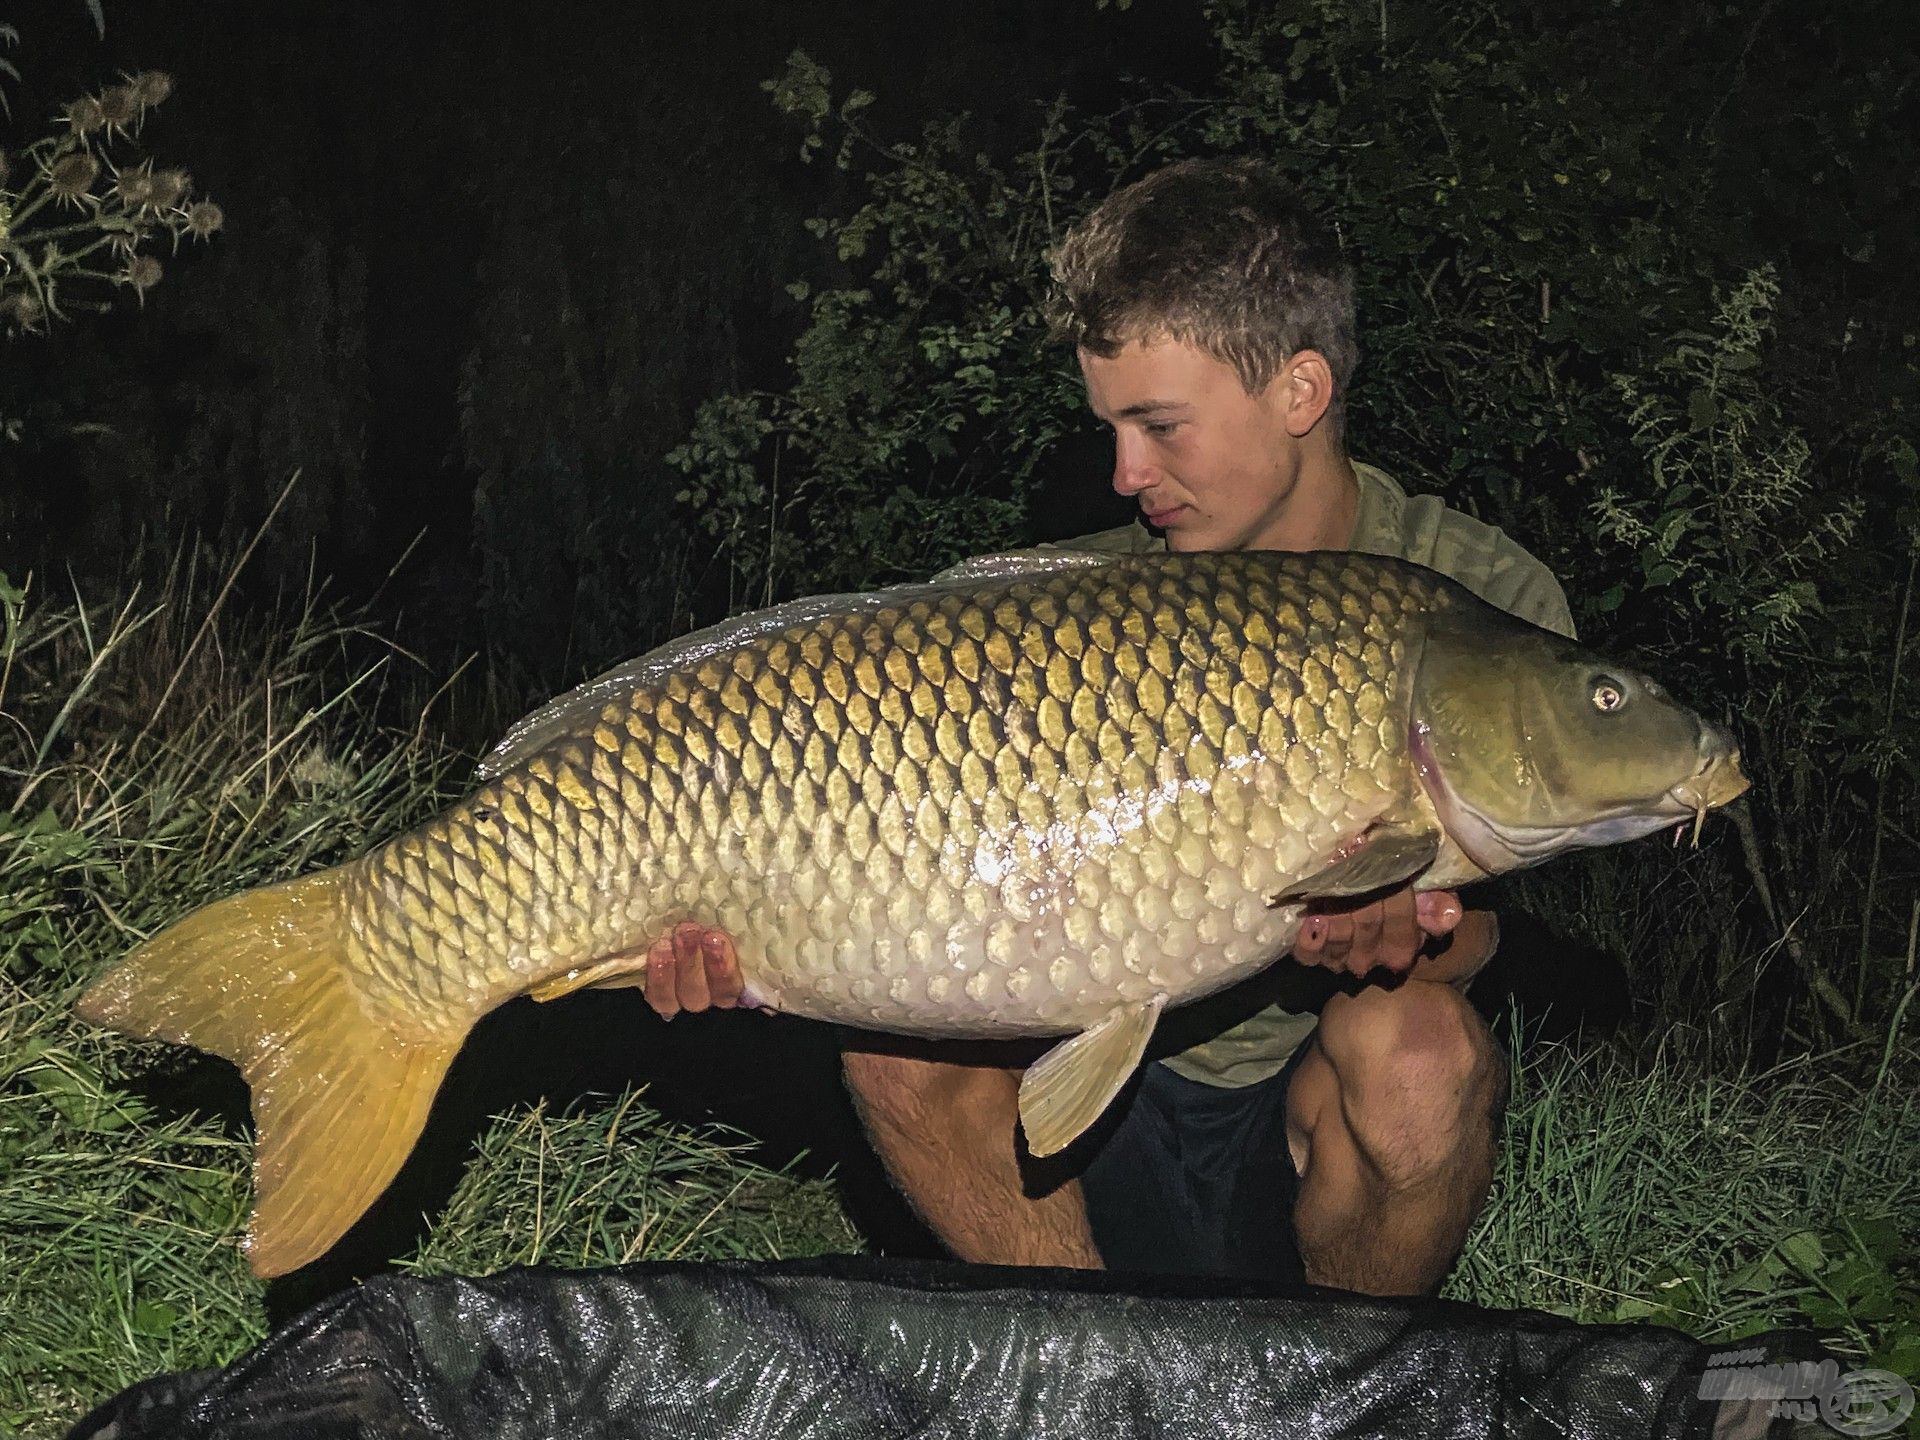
947,1135
1391,1121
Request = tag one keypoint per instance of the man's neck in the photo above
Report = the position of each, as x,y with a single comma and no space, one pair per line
1321,511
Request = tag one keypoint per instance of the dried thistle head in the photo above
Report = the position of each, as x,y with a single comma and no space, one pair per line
150,87
71,177
120,107
142,273
86,115
169,188
137,188
22,310
204,218
123,234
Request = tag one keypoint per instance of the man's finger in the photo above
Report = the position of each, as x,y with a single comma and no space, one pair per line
1400,933
694,995
1336,940
1439,911
1364,952
722,967
663,978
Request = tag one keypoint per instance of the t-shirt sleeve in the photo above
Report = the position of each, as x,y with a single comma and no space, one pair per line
1482,557
1538,599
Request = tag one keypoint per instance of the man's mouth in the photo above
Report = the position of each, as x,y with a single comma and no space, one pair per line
1159,519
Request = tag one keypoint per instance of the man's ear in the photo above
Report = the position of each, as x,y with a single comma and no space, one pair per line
1302,392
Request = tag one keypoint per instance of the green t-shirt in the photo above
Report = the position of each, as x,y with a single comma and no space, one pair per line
1423,529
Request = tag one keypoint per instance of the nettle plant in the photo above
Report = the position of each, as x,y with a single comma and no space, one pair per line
83,210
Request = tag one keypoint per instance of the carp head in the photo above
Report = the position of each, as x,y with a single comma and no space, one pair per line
1529,744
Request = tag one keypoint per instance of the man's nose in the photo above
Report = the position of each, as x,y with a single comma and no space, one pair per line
1132,469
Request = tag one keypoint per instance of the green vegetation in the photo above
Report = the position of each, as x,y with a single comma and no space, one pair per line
1656,1187
614,1184
153,756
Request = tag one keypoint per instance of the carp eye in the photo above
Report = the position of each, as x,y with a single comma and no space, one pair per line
1608,694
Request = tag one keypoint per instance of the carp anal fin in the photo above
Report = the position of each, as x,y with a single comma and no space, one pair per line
1066,1089
579,709
1386,855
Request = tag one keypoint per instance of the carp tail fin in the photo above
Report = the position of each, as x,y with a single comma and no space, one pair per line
338,1097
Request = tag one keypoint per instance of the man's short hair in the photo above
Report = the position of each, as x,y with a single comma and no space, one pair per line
1221,254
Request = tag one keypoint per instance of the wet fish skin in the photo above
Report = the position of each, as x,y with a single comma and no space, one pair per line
988,814
1053,797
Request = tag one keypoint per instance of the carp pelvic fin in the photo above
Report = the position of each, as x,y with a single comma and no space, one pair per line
612,973
1383,855
1066,1089
338,1098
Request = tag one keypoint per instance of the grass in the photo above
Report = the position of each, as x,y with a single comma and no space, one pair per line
1631,1187
612,1185
1657,1188
118,1231
119,1221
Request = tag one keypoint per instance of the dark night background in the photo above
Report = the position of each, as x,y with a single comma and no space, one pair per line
483,266
481,263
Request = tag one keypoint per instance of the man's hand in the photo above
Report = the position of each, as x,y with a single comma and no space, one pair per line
693,967
1382,934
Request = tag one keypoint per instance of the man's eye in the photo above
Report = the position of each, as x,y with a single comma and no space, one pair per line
1160,429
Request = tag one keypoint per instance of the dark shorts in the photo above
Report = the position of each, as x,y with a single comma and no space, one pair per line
1197,1180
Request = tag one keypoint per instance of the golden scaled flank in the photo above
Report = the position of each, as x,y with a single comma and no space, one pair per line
1097,781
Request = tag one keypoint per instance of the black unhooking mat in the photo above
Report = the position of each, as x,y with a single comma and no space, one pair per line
857,1349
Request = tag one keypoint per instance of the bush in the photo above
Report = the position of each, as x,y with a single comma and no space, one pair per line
1576,324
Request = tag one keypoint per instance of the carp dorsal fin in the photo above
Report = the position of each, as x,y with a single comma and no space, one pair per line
578,710
1381,856
1023,565
1066,1089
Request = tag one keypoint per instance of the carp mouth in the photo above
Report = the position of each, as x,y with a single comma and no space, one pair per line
1496,847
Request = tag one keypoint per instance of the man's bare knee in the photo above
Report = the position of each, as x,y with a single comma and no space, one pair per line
885,1085
1420,1077
894,1090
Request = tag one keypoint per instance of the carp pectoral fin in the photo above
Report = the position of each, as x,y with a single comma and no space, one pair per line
608,974
1066,1089
1385,856
339,1096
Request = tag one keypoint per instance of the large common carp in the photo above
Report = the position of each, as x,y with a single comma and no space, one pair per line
1049,795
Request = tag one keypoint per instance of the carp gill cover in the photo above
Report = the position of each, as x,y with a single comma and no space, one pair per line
1047,795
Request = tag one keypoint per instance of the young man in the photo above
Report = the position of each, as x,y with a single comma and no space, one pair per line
1213,321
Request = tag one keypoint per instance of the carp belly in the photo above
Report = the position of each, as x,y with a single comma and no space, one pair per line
1041,934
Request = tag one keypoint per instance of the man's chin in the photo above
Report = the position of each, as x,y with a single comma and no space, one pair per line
1193,539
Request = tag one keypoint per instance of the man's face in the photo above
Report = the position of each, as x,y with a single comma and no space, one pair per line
1208,463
